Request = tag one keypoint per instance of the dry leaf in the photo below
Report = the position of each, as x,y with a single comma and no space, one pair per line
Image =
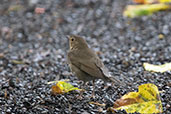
39,10
146,100
140,10
96,103
151,1
17,62
15,8
161,36
157,68
63,87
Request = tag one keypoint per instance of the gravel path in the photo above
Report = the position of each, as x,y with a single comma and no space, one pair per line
33,52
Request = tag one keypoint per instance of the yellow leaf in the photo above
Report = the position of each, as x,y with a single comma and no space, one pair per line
165,1
15,8
161,36
157,68
146,100
17,62
151,1
63,87
140,10
144,1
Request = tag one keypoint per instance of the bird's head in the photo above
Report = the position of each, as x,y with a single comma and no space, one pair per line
77,42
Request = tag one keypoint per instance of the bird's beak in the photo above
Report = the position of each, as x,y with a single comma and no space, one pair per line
68,36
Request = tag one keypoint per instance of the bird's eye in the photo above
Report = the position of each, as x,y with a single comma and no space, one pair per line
72,39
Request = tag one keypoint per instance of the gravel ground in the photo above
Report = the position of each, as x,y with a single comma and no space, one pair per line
33,52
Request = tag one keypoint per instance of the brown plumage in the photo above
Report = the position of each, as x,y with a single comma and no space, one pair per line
84,62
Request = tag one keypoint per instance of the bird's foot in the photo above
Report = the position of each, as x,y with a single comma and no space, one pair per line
80,97
93,95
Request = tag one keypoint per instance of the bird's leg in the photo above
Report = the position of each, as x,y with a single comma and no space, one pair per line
93,93
81,95
81,92
113,84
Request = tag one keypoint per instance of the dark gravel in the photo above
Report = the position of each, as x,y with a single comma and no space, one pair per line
33,52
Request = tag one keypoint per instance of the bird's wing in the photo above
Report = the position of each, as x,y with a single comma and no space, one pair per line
92,66
101,66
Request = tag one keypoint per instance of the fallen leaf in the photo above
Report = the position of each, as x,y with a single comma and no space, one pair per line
1,55
39,10
147,9
63,87
96,103
17,62
146,100
15,8
143,1
151,1
56,90
164,1
5,94
161,36
157,68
